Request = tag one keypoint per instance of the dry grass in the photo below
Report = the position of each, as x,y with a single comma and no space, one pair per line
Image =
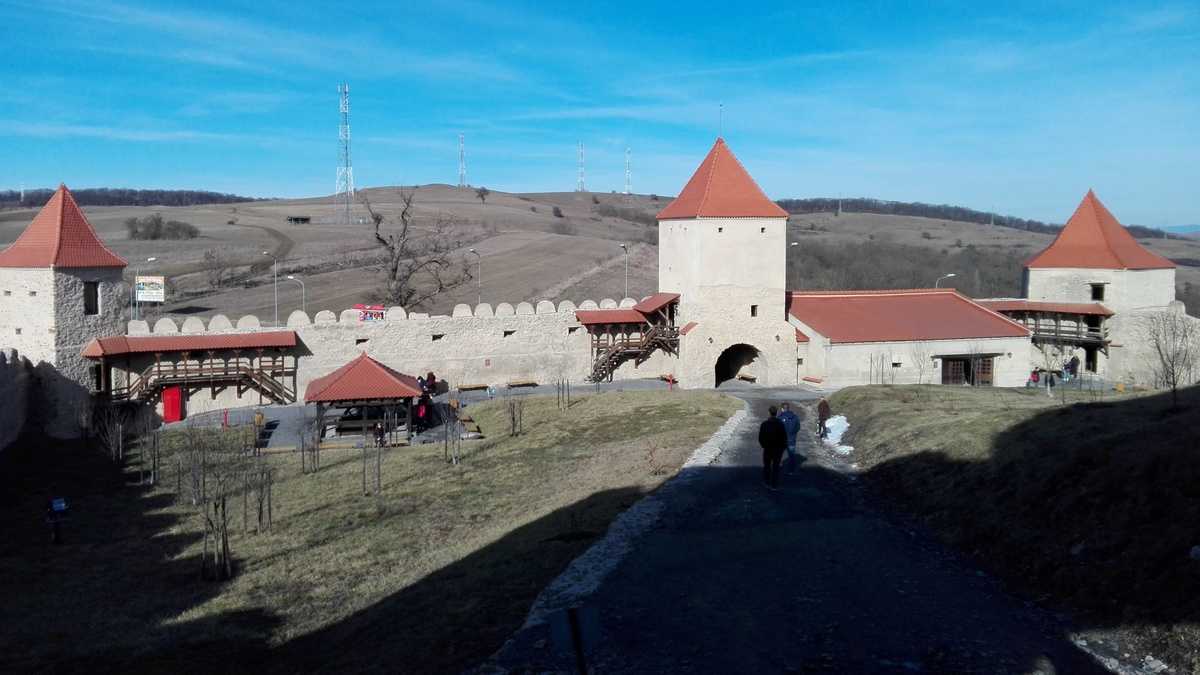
1091,506
441,567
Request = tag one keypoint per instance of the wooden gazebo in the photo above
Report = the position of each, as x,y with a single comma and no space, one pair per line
367,384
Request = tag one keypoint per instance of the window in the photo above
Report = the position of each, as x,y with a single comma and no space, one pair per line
895,364
7,293
800,361
91,298
509,333
720,229
360,341
438,336
1098,292
32,294
18,330
572,330
762,230
753,310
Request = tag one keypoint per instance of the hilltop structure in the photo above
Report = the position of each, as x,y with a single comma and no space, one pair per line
723,311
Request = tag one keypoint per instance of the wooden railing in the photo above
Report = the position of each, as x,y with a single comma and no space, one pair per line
609,358
148,384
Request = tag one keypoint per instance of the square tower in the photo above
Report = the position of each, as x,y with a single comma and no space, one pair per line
60,286
722,245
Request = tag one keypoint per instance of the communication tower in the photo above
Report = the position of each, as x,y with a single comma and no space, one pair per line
579,184
344,189
628,172
462,162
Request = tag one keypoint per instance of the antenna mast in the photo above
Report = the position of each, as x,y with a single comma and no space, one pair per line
628,173
579,183
345,171
462,162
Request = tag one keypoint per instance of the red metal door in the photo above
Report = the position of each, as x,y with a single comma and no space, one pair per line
172,398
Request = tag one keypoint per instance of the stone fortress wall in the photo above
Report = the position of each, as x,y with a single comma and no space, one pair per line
17,385
542,343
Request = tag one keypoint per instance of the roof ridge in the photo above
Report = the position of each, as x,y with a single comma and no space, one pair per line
712,170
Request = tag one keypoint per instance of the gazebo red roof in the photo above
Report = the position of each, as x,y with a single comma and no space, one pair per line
59,236
363,379
1094,239
721,188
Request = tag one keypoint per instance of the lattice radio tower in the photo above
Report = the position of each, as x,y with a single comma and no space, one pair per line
628,173
345,171
579,183
462,162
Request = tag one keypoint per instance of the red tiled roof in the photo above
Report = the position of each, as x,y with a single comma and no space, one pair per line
656,302
721,188
590,317
896,316
363,379
59,236
149,344
687,328
800,336
1093,308
1093,238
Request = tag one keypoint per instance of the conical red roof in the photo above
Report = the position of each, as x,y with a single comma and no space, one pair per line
1093,238
59,236
721,188
362,379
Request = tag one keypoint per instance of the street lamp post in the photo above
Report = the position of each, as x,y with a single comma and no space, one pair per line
303,293
626,249
275,282
937,283
478,278
134,305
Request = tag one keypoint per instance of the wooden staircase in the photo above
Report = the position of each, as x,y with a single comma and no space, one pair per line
610,358
149,384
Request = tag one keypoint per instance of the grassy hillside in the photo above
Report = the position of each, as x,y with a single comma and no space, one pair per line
431,575
557,246
1092,506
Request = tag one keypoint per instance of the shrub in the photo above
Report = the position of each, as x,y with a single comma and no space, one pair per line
926,235
533,208
154,227
563,227
595,199
558,212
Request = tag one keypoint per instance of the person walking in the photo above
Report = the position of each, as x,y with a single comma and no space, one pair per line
791,425
773,439
823,414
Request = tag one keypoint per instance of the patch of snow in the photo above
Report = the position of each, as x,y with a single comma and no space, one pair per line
836,427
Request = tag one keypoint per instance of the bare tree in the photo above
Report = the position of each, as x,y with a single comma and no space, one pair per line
111,424
419,263
217,267
922,357
482,194
1174,340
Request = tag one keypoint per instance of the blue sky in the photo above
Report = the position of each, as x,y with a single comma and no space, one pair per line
1017,107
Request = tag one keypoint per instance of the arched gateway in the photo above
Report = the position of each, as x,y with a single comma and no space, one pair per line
740,359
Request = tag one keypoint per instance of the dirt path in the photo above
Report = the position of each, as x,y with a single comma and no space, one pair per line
283,246
808,579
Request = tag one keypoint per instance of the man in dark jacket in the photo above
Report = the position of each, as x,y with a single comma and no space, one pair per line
772,436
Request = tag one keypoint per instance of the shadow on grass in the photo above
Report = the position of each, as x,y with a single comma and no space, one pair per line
458,615
1092,508
115,579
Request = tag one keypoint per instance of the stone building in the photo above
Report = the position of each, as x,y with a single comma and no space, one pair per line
60,286
1087,294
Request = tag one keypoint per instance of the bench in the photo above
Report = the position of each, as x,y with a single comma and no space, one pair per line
512,384
472,387
667,377
747,378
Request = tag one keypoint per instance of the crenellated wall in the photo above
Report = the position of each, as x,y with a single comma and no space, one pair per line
16,390
482,345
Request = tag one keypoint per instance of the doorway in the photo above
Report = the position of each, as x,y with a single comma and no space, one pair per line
733,360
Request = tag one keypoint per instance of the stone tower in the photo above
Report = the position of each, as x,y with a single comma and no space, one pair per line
1095,259
722,245
60,286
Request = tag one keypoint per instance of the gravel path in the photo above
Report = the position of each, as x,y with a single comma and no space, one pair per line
809,579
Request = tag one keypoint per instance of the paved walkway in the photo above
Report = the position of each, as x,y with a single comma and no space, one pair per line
808,579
